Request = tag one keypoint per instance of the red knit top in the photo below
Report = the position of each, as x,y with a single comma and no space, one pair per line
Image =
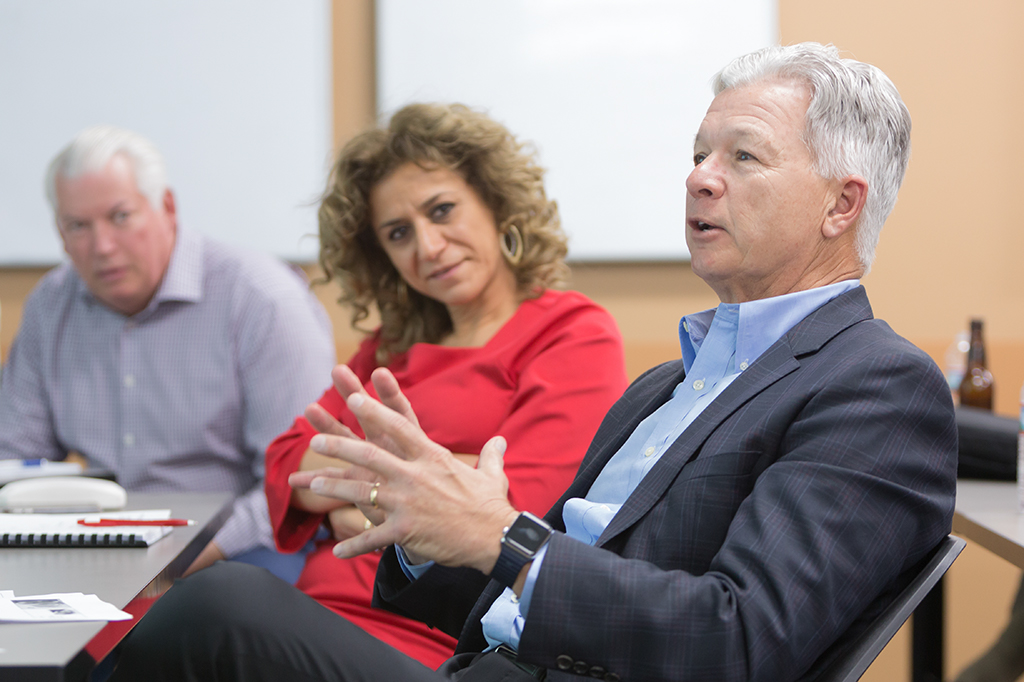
544,382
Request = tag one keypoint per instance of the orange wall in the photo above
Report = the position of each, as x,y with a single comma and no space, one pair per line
953,247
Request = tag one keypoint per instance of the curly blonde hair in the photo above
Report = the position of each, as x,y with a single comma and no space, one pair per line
502,171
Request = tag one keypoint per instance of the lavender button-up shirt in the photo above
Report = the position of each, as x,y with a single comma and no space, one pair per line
186,394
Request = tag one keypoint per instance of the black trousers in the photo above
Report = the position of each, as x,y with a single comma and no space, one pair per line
233,621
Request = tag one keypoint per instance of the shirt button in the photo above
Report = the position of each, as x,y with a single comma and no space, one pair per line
698,384
129,439
648,452
129,380
129,325
743,366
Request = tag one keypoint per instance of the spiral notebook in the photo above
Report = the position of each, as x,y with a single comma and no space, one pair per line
63,530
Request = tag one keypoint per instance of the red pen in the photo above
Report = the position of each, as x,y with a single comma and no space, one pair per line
136,522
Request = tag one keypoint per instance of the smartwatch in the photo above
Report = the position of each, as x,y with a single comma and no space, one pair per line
519,545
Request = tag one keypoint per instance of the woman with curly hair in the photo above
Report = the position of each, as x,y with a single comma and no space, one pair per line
441,223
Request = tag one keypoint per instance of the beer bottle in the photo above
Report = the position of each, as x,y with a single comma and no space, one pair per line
976,387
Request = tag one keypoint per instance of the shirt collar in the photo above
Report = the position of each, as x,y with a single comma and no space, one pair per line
761,322
184,278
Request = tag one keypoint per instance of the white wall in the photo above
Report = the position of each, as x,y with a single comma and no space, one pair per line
610,91
235,93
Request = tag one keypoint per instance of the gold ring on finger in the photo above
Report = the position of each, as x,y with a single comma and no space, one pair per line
373,495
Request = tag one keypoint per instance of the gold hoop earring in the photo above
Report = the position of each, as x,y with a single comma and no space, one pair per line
511,244
402,292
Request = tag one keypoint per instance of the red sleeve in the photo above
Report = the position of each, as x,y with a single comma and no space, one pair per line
293,528
568,379
567,374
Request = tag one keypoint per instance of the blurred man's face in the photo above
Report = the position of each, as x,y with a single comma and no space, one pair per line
119,244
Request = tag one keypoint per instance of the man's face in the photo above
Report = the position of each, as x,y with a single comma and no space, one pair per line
119,244
754,205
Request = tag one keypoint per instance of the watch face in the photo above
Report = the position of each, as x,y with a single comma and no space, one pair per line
528,533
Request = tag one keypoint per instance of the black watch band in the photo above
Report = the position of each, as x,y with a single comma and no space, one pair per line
519,545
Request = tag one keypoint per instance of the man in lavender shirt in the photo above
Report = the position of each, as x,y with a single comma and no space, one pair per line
165,357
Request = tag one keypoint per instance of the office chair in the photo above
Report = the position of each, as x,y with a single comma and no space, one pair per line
862,651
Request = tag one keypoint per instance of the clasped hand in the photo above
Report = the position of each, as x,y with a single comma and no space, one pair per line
427,500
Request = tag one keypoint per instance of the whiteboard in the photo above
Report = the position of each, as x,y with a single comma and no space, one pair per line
611,93
236,94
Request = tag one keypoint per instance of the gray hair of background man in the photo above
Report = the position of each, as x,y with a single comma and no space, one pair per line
856,123
93,148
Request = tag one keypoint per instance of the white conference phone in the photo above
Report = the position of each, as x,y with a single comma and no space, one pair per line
60,493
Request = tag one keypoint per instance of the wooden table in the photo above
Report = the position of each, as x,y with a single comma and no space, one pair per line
57,651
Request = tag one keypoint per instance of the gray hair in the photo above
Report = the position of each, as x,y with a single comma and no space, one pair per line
93,148
856,123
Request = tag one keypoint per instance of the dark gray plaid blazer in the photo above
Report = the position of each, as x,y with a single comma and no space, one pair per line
779,522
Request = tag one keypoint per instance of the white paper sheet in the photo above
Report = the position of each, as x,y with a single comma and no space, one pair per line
59,607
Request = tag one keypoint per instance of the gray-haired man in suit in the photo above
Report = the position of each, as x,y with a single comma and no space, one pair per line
739,511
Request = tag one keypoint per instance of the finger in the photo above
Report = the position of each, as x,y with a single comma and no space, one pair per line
358,473
389,392
373,430
376,515
368,505
345,381
402,437
360,453
366,542
492,457
341,489
302,479
372,508
324,422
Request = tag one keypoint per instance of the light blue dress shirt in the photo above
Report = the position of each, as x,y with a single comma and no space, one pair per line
717,346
